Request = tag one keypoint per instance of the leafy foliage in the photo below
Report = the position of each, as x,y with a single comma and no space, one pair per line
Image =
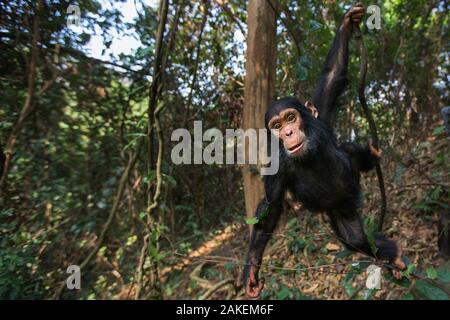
89,116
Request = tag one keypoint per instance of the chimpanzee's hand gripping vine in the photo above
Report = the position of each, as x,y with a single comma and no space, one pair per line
323,176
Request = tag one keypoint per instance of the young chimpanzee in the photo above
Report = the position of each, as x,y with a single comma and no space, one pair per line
321,175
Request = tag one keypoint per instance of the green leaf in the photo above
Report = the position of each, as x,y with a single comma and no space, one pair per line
343,254
369,294
142,214
371,229
436,193
153,251
292,223
85,37
263,215
422,207
425,290
439,130
252,220
151,176
410,269
229,266
156,233
130,144
296,245
305,61
431,273
301,72
443,273
284,293
170,180
349,290
137,134
314,25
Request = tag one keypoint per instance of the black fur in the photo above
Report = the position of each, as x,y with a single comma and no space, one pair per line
325,177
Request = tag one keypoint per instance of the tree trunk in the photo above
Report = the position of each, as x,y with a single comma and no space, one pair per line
259,84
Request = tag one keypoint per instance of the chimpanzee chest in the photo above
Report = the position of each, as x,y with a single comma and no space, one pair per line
324,190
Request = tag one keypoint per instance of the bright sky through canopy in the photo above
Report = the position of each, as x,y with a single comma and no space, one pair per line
122,43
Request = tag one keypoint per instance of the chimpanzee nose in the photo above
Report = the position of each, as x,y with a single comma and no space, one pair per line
289,132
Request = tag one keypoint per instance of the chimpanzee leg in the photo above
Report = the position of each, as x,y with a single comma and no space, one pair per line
349,229
261,234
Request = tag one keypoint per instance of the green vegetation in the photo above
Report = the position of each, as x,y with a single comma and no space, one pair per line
89,184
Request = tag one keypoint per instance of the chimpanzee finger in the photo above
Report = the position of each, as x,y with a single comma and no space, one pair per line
356,18
253,290
358,15
357,9
253,277
262,281
397,274
357,12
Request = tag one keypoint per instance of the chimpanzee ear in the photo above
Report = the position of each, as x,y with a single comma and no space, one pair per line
312,108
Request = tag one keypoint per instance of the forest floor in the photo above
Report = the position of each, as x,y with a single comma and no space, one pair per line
417,178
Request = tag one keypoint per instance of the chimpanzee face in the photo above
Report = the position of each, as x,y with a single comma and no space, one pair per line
288,126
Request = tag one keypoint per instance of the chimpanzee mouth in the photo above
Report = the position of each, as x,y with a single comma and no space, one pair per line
296,148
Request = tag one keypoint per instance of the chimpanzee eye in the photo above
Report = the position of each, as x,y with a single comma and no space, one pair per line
291,117
277,126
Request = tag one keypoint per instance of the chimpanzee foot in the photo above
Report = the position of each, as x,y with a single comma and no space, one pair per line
399,265
378,153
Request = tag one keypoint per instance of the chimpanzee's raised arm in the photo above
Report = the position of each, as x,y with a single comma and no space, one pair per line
333,79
